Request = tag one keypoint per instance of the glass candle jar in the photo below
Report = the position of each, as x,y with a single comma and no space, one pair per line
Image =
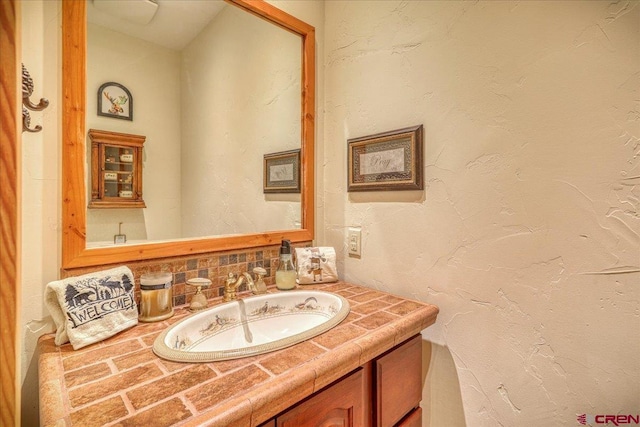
156,297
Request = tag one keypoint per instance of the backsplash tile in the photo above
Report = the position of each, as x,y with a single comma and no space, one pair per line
214,266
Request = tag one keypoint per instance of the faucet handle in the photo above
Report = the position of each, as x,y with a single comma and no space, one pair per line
231,279
261,287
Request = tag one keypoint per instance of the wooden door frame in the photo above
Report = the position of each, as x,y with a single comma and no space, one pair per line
10,135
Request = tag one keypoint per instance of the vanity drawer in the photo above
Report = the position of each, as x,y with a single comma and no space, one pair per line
398,382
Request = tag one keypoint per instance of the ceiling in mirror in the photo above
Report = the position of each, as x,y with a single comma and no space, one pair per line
213,90
169,23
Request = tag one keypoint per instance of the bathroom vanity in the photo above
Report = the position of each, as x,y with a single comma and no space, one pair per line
365,371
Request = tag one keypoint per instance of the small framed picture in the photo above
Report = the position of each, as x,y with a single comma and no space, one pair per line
386,161
282,172
114,100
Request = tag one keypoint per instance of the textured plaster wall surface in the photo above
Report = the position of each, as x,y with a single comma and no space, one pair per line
40,205
527,233
241,100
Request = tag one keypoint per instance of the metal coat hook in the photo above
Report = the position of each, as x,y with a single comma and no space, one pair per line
27,91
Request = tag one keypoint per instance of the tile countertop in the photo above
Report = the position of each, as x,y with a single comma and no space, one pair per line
120,381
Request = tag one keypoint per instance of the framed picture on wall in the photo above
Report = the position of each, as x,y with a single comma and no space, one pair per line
115,100
386,161
282,172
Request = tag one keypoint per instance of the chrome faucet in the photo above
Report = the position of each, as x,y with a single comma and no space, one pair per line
232,284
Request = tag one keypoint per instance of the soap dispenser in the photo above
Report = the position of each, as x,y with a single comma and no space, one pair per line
286,272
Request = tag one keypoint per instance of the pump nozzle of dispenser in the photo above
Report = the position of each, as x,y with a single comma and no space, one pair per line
285,247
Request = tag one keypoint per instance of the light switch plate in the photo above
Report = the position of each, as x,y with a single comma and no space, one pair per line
354,242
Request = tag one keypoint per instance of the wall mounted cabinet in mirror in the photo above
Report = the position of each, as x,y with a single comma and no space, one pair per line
210,106
116,170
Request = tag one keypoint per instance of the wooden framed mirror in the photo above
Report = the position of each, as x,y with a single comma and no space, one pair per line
75,253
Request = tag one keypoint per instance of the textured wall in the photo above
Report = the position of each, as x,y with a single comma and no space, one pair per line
527,233
40,204
241,99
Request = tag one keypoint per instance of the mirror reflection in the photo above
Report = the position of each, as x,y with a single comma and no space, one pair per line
213,90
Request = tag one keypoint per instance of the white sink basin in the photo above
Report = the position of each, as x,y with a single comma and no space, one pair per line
254,325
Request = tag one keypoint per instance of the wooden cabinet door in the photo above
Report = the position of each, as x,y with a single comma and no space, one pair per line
398,382
414,419
344,404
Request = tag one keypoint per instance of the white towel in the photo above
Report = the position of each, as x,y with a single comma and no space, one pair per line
92,307
316,265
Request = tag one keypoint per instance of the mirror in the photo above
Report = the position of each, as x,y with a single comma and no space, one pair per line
197,86
76,112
